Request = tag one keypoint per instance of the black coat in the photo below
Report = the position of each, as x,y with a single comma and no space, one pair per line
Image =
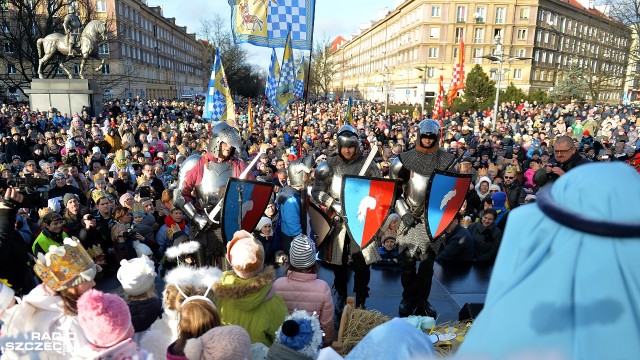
145,312
14,255
541,177
459,247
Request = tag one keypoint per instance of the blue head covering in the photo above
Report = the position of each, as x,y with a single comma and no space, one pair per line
561,283
376,344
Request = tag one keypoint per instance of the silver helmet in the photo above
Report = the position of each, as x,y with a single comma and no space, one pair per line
347,137
427,127
223,132
296,171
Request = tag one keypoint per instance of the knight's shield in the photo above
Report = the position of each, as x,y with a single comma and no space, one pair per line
320,226
244,203
446,193
366,202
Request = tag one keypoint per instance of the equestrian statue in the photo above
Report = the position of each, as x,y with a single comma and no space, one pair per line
93,34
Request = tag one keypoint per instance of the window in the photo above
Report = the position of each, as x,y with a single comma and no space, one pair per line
5,27
522,34
480,15
546,38
106,70
524,13
101,6
435,11
477,56
76,69
434,33
521,52
517,74
478,36
103,49
11,70
500,12
431,72
59,70
459,35
461,14
433,52
8,47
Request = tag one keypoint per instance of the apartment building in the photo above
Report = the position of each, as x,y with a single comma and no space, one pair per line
401,55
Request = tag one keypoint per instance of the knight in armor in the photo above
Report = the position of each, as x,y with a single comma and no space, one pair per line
202,184
414,168
341,250
292,201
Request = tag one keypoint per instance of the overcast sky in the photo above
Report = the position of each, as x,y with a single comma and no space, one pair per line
333,18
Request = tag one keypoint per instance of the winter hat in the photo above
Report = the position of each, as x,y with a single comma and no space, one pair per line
69,196
104,318
124,198
245,254
137,275
302,254
229,342
58,175
586,133
263,221
300,332
499,199
494,187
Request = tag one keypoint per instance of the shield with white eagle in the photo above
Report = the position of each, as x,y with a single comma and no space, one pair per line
446,193
366,202
244,204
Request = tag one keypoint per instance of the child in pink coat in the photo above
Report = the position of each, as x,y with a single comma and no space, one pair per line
302,290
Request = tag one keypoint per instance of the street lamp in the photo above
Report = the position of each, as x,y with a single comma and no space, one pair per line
424,83
386,90
499,57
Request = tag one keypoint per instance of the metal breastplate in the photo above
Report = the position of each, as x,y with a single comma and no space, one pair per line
211,188
335,190
416,192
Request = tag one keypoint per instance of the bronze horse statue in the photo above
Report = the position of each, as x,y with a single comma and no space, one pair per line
94,33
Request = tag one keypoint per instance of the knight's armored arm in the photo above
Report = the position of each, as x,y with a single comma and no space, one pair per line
188,208
323,177
398,171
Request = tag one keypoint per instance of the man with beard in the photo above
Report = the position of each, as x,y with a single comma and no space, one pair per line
342,250
201,179
414,168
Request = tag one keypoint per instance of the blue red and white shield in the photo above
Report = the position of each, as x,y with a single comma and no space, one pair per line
254,197
447,191
366,202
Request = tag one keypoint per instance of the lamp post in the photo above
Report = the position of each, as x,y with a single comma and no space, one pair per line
499,56
386,90
424,69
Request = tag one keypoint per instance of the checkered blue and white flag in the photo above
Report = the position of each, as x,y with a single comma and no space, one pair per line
218,105
272,81
266,22
299,84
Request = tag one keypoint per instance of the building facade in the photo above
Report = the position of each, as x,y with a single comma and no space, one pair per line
148,55
401,55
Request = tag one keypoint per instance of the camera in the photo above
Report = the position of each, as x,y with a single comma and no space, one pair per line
129,235
35,191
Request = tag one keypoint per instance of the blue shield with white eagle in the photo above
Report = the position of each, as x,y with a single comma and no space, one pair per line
244,203
366,202
446,193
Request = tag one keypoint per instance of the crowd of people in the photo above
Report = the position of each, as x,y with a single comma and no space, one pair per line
127,198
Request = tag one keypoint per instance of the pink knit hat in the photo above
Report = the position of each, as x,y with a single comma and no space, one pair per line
104,318
229,342
245,254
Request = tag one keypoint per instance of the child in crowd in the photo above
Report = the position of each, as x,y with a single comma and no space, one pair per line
302,290
229,342
137,277
389,252
198,315
106,323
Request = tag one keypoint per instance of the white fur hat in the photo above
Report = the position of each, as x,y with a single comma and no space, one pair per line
263,221
137,275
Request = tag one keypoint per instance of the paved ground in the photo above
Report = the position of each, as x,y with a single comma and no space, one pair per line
450,290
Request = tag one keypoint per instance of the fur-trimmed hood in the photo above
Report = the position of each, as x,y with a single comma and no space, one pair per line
246,293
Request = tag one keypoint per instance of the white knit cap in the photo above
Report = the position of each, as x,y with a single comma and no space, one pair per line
302,254
137,275
263,221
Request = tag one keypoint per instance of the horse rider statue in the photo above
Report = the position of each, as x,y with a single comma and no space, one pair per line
70,25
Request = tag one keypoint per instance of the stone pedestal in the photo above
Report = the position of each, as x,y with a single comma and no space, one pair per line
66,95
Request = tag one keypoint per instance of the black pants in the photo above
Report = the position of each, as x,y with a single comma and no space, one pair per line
417,285
361,276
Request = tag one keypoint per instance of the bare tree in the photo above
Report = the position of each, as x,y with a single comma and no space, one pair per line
23,23
323,68
628,13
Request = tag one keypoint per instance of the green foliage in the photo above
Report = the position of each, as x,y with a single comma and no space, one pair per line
538,95
479,90
512,93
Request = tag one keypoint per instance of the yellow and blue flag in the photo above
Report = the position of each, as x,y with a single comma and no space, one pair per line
285,94
299,84
267,22
271,88
349,116
218,105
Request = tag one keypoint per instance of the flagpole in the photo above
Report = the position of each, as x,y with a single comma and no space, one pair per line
299,131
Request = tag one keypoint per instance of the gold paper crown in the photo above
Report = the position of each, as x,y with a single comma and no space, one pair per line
97,177
172,230
96,195
43,211
62,265
483,172
494,168
511,169
138,208
120,155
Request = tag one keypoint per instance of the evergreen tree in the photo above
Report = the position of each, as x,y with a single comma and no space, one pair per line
479,90
512,94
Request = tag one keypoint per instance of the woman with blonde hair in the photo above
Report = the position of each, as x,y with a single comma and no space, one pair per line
198,314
